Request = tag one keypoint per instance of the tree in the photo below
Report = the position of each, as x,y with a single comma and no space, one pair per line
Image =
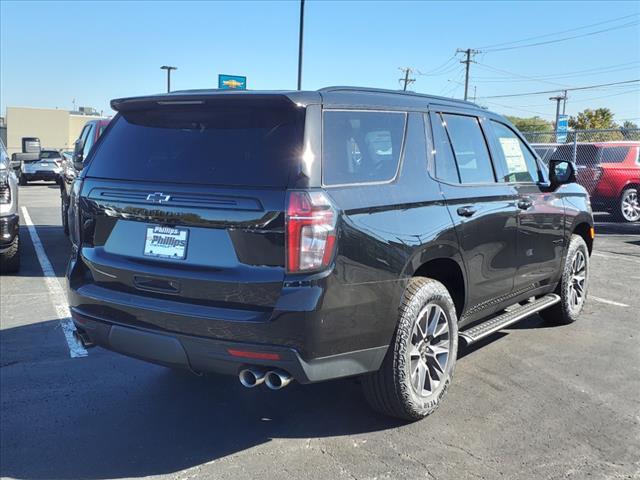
532,124
600,118
629,125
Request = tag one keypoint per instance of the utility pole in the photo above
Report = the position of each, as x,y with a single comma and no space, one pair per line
300,38
168,69
406,81
564,103
469,52
558,99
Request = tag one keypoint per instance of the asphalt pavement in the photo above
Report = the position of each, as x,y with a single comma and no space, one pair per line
532,402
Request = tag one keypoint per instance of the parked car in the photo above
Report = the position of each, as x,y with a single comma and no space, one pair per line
9,216
318,235
46,166
73,163
545,150
610,171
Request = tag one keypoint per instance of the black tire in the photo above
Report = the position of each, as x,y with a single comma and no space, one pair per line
22,180
620,214
10,258
390,390
566,311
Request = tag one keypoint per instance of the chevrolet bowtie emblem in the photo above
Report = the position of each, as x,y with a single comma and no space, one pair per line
158,197
232,83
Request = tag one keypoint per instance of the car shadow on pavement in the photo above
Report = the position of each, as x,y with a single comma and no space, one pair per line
109,416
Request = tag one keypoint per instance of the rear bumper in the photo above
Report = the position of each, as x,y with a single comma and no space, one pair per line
219,356
41,175
9,226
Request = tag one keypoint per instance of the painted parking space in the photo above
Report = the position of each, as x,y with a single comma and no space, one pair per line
533,401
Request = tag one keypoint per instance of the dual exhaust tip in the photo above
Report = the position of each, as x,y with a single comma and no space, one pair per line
273,379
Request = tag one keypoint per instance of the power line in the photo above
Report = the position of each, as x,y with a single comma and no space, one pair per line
582,100
589,71
625,25
443,65
520,109
558,33
570,89
482,65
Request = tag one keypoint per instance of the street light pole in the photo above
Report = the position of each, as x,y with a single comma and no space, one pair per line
300,38
168,69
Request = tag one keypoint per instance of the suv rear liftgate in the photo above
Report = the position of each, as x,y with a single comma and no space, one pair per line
195,244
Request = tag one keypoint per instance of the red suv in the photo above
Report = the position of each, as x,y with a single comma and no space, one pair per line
610,171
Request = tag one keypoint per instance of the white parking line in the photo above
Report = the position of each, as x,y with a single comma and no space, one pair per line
626,258
608,302
56,293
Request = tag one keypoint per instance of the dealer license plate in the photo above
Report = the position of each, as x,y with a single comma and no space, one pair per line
166,242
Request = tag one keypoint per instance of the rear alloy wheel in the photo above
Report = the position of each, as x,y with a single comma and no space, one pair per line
419,364
572,288
629,209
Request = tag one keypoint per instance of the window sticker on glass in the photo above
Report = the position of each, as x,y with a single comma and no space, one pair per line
513,155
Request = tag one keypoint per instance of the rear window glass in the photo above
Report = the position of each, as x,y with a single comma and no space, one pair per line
239,145
361,147
49,154
614,154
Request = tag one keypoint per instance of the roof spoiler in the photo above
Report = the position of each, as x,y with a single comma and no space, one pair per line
213,97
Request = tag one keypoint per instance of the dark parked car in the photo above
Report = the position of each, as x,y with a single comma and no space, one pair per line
73,163
9,215
318,235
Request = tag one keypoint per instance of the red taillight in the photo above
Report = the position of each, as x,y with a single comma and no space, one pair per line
253,355
311,231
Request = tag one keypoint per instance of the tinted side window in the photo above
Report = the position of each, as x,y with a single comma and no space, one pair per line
83,134
88,143
444,161
520,164
614,154
361,147
470,149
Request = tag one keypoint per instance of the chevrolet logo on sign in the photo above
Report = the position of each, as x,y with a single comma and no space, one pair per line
232,82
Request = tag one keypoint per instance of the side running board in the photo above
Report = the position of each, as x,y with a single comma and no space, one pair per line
503,320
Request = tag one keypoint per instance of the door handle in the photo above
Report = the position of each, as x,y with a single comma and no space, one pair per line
466,211
525,203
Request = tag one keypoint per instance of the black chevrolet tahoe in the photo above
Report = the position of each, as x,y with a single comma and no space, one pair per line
308,236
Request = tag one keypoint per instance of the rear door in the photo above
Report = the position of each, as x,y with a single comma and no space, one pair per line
540,214
185,202
483,210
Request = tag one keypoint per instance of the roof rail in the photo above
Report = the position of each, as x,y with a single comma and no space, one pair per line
395,92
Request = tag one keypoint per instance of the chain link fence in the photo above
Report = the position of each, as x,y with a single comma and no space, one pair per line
608,166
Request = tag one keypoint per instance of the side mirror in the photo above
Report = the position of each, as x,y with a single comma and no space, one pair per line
78,160
561,172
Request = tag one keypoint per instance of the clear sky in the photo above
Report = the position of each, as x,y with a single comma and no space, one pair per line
55,52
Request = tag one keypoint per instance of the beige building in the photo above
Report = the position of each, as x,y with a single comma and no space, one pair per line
57,129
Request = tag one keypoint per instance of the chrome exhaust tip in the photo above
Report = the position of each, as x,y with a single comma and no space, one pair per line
251,377
277,379
83,339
